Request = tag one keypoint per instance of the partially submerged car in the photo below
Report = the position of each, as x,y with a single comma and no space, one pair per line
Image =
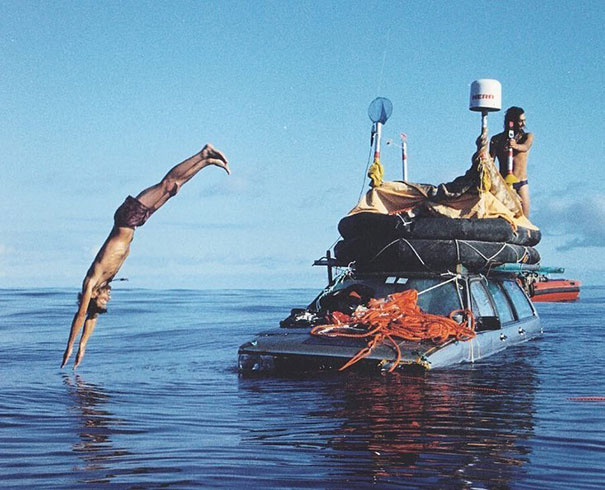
503,316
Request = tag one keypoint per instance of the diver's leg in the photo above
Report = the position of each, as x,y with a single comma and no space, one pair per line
156,196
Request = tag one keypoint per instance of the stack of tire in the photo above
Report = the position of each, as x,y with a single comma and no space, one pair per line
380,242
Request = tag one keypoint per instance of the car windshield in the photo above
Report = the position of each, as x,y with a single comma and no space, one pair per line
435,295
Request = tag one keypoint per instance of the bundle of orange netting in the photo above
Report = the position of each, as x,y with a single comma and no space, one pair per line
395,318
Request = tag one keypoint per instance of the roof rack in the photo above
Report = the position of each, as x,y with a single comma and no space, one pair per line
330,262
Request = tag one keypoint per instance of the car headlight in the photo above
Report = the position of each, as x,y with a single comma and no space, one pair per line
249,363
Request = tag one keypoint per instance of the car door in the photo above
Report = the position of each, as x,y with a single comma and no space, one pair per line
504,307
482,306
524,309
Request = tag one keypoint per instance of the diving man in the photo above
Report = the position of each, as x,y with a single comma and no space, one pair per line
135,211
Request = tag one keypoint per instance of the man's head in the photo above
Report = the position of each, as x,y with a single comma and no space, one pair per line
98,301
517,116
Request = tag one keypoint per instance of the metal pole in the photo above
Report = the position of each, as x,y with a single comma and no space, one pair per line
404,156
329,261
511,135
377,141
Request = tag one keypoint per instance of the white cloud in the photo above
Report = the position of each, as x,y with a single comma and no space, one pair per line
580,217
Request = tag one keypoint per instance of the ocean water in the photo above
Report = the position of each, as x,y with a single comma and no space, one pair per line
157,402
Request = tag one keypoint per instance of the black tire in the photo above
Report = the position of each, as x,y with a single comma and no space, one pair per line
389,227
433,255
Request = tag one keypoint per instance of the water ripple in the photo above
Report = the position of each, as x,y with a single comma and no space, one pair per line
157,402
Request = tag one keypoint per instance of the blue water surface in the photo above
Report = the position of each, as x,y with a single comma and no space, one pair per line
157,402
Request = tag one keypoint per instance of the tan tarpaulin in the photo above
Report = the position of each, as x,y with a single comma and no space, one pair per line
480,193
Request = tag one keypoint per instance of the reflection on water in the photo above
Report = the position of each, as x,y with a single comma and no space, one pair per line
466,427
414,426
96,426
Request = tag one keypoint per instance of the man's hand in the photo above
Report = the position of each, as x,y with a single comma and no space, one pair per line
481,141
67,354
212,156
79,357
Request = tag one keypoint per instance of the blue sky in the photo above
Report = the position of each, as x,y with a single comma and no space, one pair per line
100,99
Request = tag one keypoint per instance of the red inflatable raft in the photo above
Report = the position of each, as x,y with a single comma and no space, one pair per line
555,290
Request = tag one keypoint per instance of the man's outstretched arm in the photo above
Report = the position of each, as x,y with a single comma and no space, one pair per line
78,321
89,326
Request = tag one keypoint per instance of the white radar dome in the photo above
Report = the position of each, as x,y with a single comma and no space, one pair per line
486,95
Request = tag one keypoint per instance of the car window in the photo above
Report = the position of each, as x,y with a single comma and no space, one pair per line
520,301
503,305
441,300
482,306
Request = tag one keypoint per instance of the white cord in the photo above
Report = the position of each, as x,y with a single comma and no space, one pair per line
455,278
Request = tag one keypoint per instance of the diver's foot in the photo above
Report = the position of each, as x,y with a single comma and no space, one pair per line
212,156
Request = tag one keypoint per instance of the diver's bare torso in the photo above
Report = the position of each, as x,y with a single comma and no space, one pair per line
110,258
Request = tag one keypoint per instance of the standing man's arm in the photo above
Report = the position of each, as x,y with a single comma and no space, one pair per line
493,144
523,147
79,318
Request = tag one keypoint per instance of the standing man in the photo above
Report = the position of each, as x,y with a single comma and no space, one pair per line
521,144
132,213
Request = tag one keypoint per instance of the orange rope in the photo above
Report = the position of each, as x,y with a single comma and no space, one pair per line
395,318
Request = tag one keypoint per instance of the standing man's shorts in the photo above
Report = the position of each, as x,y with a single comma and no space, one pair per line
518,185
131,213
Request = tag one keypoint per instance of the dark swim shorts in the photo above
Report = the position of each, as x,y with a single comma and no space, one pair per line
518,185
131,213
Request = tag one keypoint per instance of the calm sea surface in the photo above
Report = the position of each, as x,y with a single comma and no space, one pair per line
158,402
